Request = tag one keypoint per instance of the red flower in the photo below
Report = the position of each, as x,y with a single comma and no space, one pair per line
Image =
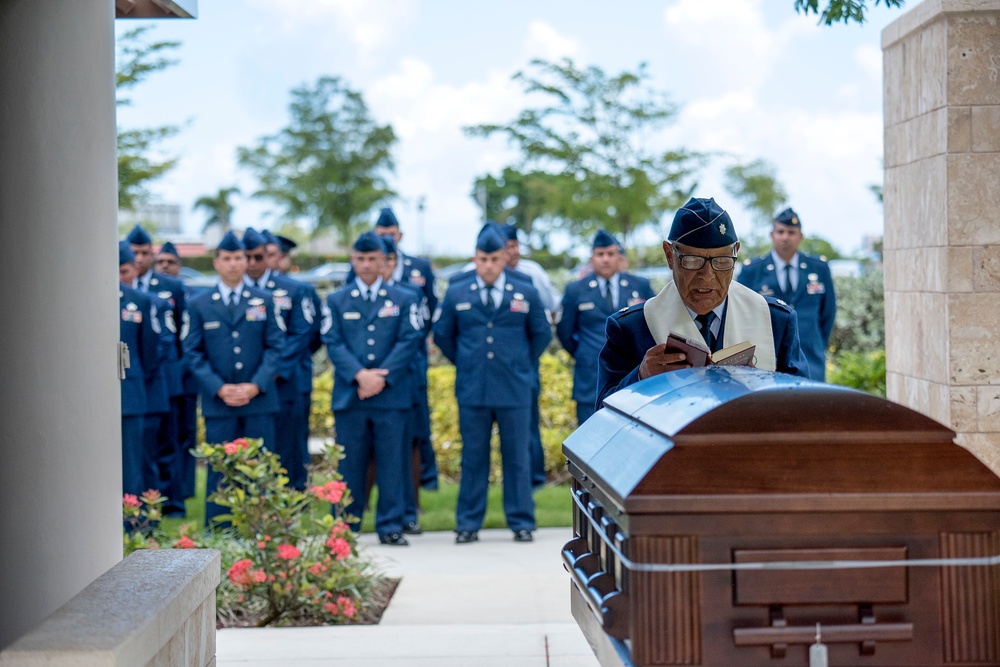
130,500
185,542
347,606
239,572
317,569
331,608
331,492
339,547
288,552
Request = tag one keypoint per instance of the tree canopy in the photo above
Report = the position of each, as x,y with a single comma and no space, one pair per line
139,159
218,208
844,11
587,159
329,164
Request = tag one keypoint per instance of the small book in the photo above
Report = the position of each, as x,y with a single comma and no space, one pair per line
698,354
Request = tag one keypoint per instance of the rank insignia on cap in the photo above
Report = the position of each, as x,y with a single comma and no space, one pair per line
722,229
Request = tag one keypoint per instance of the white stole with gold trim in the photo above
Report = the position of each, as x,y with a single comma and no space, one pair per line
748,317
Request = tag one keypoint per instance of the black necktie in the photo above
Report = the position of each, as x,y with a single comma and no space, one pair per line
231,303
789,287
705,326
608,297
490,305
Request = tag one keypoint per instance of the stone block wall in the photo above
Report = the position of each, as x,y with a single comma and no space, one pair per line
941,65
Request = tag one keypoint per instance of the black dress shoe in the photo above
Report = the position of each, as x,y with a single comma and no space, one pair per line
393,539
412,528
466,536
523,536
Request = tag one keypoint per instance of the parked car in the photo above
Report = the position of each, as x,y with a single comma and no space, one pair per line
196,279
331,274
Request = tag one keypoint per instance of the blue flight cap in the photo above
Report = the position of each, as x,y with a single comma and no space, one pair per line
286,243
268,237
788,217
701,223
168,249
389,244
386,218
509,231
230,243
125,254
252,239
369,242
603,239
490,239
139,236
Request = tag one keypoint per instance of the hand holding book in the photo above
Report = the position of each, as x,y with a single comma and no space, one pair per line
698,354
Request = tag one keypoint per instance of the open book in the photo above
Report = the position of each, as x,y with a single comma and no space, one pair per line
698,354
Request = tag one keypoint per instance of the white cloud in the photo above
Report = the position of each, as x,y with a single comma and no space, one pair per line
869,58
544,42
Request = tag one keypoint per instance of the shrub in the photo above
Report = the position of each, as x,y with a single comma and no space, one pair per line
860,370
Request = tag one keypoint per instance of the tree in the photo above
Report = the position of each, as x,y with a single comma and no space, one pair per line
138,163
329,164
841,10
755,185
589,138
520,199
218,208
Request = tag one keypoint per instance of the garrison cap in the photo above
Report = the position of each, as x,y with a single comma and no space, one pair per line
490,238
788,217
125,254
286,243
603,239
389,244
369,242
386,218
509,232
701,223
268,237
230,243
139,236
252,239
168,249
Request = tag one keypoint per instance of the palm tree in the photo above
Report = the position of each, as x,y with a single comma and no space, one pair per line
218,208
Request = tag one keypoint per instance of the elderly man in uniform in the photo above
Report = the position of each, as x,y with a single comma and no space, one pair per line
800,280
139,329
371,331
701,300
586,306
493,328
233,348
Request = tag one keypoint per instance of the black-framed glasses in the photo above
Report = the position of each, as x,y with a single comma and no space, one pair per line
258,257
695,262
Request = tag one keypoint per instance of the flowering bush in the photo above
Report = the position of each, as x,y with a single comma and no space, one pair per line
298,561
141,515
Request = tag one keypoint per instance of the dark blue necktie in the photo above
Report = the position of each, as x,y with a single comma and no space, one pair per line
609,299
705,326
490,305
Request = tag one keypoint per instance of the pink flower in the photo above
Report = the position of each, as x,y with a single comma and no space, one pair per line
239,572
339,547
347,606
241,443
331,608
339,529
184,542
259,577
288,552
331,492
230,448
130,500
317,569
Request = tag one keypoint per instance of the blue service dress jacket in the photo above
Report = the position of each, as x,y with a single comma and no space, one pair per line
359,334
293,308
581,329
139,331
172,316
232,347
628,339
494,353
813,300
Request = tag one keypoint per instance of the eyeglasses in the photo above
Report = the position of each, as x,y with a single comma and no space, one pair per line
258,257
695,262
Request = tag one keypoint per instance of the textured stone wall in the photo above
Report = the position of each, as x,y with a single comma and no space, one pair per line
942,216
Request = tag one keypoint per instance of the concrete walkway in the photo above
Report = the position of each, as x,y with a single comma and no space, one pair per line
493,603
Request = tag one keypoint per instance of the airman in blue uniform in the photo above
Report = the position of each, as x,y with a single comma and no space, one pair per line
371,331
493,328
233,347
701,300
586,306
294,307
161,427
803,282
140,331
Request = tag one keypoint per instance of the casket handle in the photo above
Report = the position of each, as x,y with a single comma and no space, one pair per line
832,634
597,587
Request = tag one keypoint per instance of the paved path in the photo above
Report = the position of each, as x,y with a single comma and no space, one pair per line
493,603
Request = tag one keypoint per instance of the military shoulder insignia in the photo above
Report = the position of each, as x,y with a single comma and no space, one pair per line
623,283
592,283
216,296
355,293
246,293
509,287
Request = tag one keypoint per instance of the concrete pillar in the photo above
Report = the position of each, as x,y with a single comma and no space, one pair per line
60,433
942,216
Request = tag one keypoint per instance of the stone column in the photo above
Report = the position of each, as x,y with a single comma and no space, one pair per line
942,216
60,432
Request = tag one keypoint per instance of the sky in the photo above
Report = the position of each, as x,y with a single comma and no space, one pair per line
752,79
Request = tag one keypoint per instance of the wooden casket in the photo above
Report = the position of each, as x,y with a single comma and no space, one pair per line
727,516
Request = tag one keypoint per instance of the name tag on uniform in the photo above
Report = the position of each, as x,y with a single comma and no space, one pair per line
586,306
256,314
212,325
389,311
463,306
352,316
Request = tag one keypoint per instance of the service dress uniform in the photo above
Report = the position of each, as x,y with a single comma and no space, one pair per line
233,344
373,327
494,345
811,296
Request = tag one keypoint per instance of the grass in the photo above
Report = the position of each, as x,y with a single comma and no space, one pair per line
553,507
